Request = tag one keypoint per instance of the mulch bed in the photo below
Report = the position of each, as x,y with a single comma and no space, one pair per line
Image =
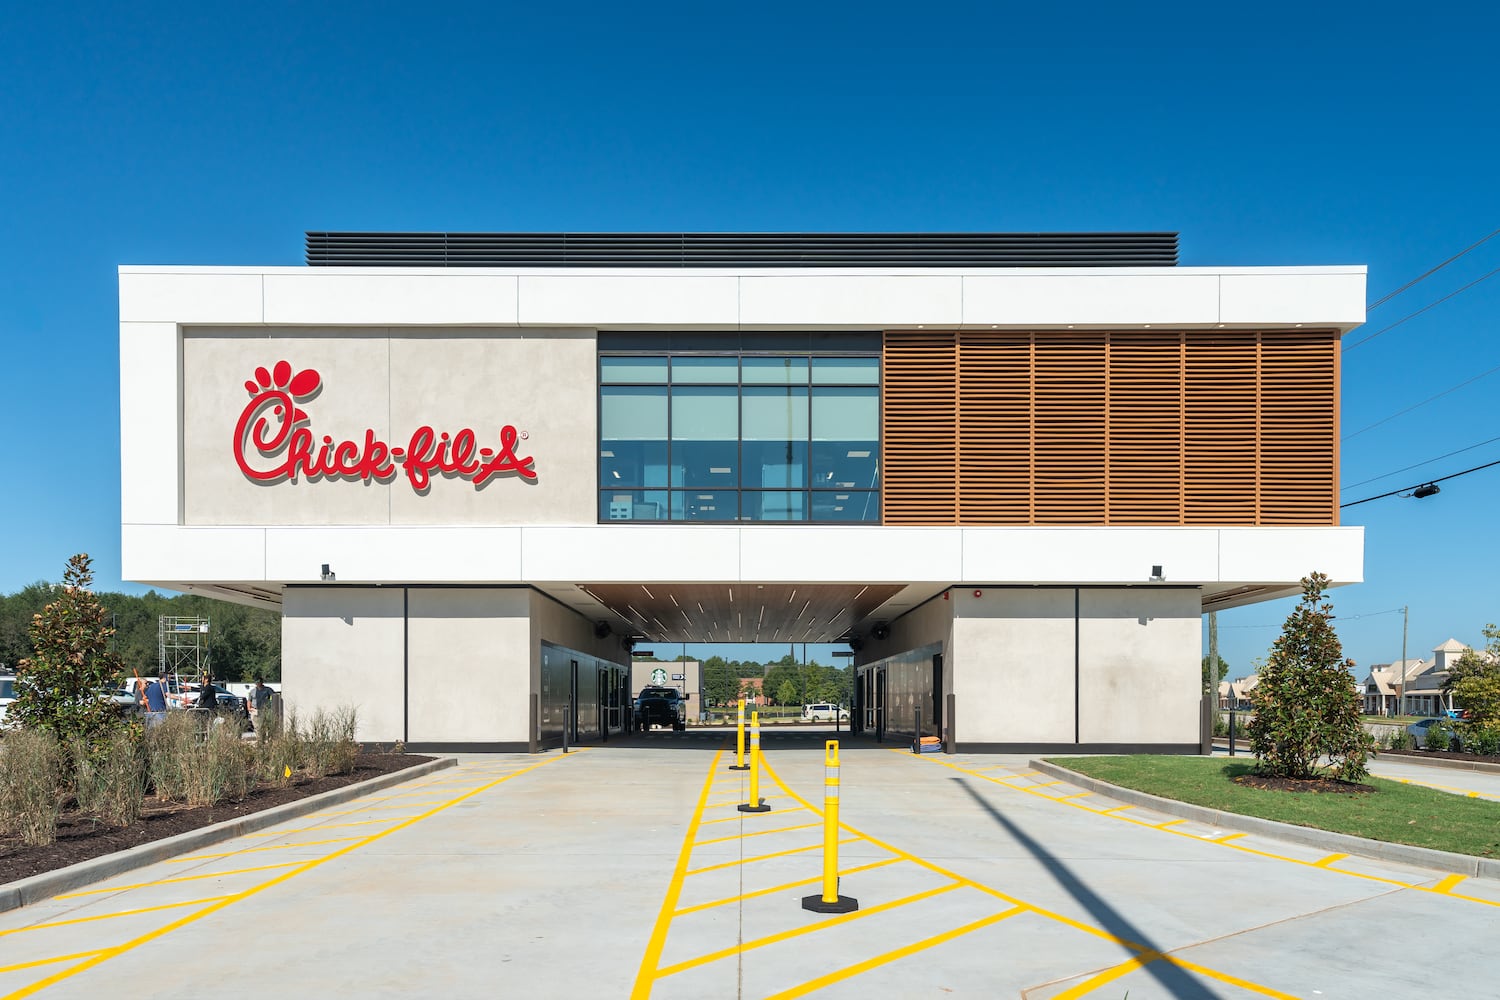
1315,785
80,838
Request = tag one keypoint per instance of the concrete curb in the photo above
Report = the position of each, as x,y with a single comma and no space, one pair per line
47,884
1341,843
1442,762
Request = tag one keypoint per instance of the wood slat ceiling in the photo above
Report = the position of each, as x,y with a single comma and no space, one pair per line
1110,427
770,612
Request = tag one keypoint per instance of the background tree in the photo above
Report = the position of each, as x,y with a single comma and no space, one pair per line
59,685
1474,682
1212,677
720,685
786,693
1306,706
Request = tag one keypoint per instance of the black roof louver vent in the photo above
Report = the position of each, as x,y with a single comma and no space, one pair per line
741,250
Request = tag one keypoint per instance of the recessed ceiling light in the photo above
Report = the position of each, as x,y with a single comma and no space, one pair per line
860,454
841,496
705,496
606,454
612,472
718,470
1145,326
838,508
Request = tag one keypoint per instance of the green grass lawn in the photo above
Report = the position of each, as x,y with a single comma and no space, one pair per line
1397,813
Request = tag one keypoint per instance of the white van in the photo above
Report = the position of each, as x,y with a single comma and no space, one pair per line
824,712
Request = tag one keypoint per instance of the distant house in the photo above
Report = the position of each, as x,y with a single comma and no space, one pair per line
750,690
1379,687
1236,694
1420,684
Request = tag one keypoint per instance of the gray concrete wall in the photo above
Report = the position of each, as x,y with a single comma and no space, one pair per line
343,646
1139,665
393,381
1013,665
468,666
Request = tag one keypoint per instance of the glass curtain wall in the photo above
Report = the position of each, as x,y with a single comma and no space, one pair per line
739,435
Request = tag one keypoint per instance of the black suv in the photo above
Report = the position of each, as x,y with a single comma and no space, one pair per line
660,706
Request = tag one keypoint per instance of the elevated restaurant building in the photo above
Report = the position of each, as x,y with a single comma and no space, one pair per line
1012,471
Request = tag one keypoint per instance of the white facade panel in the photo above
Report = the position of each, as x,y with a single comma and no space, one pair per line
844,300
395,554
625,554
916,555
1300,299
599,300
344,646
1138,665
1089,554
150,423
1269,555
190,296
169,552
458,298
1023,299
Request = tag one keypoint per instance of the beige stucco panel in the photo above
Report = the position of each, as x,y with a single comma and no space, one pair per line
542,383
1013,665
468,665
343,646
1138,665
354,367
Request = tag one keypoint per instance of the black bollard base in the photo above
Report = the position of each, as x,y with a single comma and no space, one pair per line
759,807
739,767
845,904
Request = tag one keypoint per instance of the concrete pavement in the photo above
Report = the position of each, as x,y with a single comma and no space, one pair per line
627,871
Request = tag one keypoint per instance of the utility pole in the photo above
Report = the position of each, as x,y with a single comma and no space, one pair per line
1401,675
1213,656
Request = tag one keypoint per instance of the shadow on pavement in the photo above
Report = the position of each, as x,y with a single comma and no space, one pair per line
1176,981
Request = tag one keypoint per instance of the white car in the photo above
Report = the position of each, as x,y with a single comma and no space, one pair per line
7,694
824,712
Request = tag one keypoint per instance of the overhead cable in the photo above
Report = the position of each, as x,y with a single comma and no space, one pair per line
1429,399
1403,319
1428,482
1429,272
1429,461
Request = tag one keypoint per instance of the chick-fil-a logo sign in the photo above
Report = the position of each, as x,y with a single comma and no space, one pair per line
273,442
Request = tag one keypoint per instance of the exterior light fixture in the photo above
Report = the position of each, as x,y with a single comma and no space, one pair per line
327,574
1426,490
1156,575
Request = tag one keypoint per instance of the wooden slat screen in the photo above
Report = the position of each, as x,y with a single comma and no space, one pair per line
1110,427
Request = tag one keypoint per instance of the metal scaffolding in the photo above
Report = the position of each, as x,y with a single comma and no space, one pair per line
182,646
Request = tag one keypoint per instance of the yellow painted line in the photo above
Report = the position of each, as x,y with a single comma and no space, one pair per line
109,916
767,857
46,961
1325,862
1448,883
850,971
180,878
646,977
369,809
735,802
781,888
1170,822
1043,784
106,954
1109,975
1225,977
325,826
1226,838
1097,932
1222,841
1075,795
727,819
249,850
787,935
758,833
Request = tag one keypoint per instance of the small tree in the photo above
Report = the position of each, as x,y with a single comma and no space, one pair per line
60,686
1305,705
1474,682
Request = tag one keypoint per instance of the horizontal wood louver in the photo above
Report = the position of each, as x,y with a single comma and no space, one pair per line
1111,427
1298,433
995,428
1220,436
1069,430
919,428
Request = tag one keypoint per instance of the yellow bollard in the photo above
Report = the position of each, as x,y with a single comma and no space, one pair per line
829,901
739,741
754,804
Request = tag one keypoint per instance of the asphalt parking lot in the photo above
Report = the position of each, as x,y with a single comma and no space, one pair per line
628,871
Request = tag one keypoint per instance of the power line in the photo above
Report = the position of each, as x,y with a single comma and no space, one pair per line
1429,399
1403,319
1440,479
1429,272
1425,462
1342,618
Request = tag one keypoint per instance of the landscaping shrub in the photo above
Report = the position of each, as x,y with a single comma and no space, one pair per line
1439,738
111,781
345,748
1485,742
1305,706
169,754
322,741
31,767
279,750
1400,739
200,764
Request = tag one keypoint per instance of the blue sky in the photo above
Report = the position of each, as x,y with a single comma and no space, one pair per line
1271,134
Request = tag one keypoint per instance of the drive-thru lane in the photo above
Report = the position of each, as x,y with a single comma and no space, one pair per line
630,871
